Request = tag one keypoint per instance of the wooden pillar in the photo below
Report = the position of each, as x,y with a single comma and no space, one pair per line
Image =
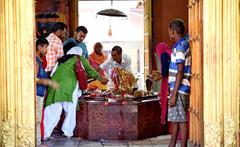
73,16
147,37
213,78
17,88
196,95
231,70
221,72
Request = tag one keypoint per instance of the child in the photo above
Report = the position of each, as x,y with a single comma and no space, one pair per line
179,75
42,82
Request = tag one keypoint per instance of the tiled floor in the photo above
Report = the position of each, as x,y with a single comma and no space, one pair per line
59,141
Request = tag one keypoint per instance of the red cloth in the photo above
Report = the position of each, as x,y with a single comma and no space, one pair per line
42,124
163,48
96,66
81,75
44,63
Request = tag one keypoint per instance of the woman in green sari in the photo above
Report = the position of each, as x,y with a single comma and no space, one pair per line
66,96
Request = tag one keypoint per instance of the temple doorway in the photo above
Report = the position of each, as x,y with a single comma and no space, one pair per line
214,36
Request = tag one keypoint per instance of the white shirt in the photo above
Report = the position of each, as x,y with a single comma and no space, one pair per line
125,64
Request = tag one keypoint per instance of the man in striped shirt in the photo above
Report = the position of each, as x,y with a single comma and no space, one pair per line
179,76
55,47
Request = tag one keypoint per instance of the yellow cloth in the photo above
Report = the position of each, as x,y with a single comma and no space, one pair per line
97,85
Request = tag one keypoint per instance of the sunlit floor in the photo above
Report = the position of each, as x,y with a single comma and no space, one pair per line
60,141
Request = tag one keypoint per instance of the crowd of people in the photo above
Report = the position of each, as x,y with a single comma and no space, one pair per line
57,80
58,83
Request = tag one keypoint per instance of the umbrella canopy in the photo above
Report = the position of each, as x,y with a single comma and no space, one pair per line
112,13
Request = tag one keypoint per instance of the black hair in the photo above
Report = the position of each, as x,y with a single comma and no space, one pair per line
178,26
41,41
64,58
81,28
68,46
59,26
118,49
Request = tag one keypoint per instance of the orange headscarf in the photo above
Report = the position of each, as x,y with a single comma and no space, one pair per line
97,58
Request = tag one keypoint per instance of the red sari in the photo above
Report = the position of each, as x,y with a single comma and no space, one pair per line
163,48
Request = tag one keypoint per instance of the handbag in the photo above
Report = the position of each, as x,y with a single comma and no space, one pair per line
81,75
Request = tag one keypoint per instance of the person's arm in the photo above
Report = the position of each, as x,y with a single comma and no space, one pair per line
165,64
84,48
40,81
105,63
179,77
88,68
46,81
128,66
51,58
59,50
93,64
91,72
36,71
180,61
87,56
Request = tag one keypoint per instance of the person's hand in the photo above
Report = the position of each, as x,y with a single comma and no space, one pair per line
53,84
156,75
104,81
44,81
173,100
98,69
50,83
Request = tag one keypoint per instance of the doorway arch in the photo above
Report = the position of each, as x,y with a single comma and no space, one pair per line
218,30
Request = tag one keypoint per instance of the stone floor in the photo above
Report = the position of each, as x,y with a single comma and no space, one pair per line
59,141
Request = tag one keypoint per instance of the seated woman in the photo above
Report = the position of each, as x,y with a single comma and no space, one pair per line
97,57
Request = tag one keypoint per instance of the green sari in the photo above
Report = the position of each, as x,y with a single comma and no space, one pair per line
66,78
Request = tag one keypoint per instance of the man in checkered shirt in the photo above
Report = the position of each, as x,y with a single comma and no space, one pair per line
55,47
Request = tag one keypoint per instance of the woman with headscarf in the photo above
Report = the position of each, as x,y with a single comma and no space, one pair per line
164,54
66,96
97,57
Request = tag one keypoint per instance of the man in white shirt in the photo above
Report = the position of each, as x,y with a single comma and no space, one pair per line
117,59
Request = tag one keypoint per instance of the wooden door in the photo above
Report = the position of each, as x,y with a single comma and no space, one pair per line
196,96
